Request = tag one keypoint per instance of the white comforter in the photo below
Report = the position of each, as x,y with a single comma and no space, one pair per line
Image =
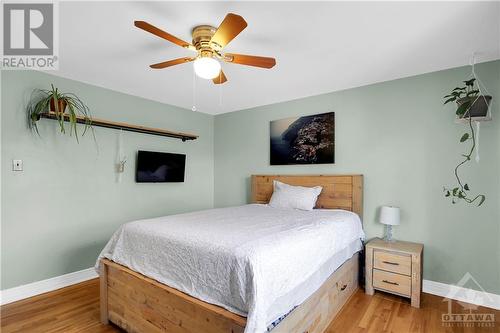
241,258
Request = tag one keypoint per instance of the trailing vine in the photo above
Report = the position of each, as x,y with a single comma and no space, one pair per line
465,97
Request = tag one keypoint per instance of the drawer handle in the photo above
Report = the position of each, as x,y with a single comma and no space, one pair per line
391,263
343,287
390,282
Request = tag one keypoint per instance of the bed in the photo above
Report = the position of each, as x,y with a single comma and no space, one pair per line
254,269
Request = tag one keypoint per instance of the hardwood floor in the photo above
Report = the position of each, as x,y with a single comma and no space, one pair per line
71,309
388,313
76,309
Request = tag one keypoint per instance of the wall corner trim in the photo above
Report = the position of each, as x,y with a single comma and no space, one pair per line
462,294
40,287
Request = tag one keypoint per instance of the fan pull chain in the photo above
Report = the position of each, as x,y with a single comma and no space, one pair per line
220,88
194,91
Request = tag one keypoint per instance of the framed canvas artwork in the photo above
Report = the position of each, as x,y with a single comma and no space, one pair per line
303,140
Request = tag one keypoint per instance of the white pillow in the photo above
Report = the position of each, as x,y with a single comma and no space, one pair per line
296,197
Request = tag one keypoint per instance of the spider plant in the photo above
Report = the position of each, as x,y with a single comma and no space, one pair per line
64,106
469,101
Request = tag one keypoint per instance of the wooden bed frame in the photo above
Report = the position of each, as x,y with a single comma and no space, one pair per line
137,303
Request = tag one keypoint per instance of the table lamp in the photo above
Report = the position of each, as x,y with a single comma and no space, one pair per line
389,216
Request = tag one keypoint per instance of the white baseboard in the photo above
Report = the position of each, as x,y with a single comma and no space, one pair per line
40,287
482,298
462,294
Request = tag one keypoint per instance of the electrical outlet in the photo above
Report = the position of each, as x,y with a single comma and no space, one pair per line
17,165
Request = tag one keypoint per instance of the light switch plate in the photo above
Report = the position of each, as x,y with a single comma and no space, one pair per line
17,165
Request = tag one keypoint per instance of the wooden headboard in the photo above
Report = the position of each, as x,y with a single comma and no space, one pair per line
341,192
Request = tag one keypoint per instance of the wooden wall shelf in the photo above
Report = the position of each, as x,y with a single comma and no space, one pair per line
126,127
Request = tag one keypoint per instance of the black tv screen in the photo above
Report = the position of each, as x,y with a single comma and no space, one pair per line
155,167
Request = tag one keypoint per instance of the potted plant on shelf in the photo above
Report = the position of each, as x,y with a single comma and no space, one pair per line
62,106
470,103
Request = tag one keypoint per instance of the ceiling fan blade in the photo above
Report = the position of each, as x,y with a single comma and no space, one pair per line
162,34
249,60
229,28
219,79
173,62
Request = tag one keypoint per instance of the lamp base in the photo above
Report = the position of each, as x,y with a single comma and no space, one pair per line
388,234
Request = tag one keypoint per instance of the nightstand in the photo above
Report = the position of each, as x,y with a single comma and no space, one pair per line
394,267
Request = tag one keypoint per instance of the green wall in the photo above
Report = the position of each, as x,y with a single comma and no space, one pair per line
405,143
58,213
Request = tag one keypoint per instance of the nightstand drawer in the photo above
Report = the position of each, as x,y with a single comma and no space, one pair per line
392,262
393,282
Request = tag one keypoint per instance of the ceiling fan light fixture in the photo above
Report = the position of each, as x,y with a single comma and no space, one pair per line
208,42
207,67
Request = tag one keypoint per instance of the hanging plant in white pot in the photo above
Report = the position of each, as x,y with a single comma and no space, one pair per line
470,103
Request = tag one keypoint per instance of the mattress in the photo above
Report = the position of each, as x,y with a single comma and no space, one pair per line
254,260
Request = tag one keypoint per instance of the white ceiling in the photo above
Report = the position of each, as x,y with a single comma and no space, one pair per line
319,46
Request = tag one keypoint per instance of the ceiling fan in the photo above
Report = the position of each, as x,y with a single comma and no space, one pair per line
208,42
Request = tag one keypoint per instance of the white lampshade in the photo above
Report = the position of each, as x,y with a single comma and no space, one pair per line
206,67
389,215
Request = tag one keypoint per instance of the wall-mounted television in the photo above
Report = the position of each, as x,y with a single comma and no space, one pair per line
156,167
